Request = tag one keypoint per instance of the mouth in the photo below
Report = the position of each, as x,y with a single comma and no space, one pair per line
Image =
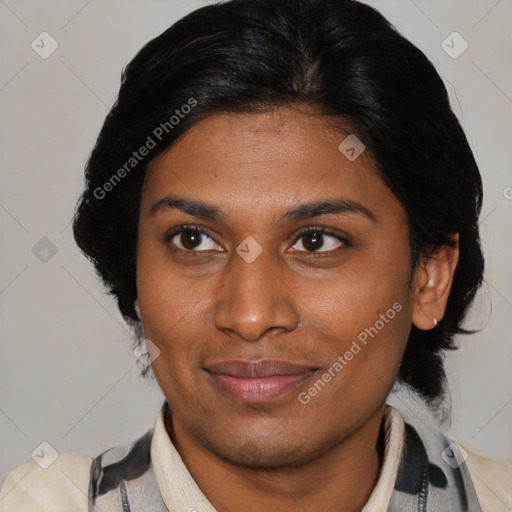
257,382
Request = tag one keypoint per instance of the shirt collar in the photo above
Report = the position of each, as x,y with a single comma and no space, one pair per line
180,492
394,429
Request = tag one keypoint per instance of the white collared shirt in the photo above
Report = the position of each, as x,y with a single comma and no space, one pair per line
65,486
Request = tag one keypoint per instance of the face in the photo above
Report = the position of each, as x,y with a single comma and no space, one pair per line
280,327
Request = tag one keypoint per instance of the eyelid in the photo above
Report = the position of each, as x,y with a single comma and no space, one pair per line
184,227
324,231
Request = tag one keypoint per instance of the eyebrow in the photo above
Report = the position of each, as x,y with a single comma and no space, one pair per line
205,211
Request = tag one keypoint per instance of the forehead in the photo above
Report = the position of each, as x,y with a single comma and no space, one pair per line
262,163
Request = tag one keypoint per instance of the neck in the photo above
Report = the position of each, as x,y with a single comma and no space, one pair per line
342,478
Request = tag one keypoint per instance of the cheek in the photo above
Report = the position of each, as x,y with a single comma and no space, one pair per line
173,316
173,311
162,291
365,313
354,297
362,366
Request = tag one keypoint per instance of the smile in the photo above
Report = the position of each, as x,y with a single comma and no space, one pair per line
258,382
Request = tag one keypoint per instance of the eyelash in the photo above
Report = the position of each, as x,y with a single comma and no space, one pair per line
304,231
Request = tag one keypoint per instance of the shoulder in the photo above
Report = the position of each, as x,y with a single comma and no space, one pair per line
53,484
437,472
492,480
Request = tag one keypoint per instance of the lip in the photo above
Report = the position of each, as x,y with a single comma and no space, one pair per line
260,381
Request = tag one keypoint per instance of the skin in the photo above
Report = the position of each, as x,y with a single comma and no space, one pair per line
287,304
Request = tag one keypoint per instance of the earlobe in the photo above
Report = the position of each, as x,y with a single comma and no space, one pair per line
434,277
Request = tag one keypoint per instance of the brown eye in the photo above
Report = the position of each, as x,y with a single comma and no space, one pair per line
318,240
191,240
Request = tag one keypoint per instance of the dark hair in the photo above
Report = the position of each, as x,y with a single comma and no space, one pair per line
340,57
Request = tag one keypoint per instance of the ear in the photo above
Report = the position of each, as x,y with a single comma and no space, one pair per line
432,283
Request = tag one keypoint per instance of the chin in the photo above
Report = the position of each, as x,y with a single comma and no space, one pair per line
253,456
261,449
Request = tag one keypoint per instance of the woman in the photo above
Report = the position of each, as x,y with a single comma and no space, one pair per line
286,209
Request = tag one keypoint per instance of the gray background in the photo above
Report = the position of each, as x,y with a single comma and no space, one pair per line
67,372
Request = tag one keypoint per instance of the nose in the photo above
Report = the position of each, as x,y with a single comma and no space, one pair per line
254,298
